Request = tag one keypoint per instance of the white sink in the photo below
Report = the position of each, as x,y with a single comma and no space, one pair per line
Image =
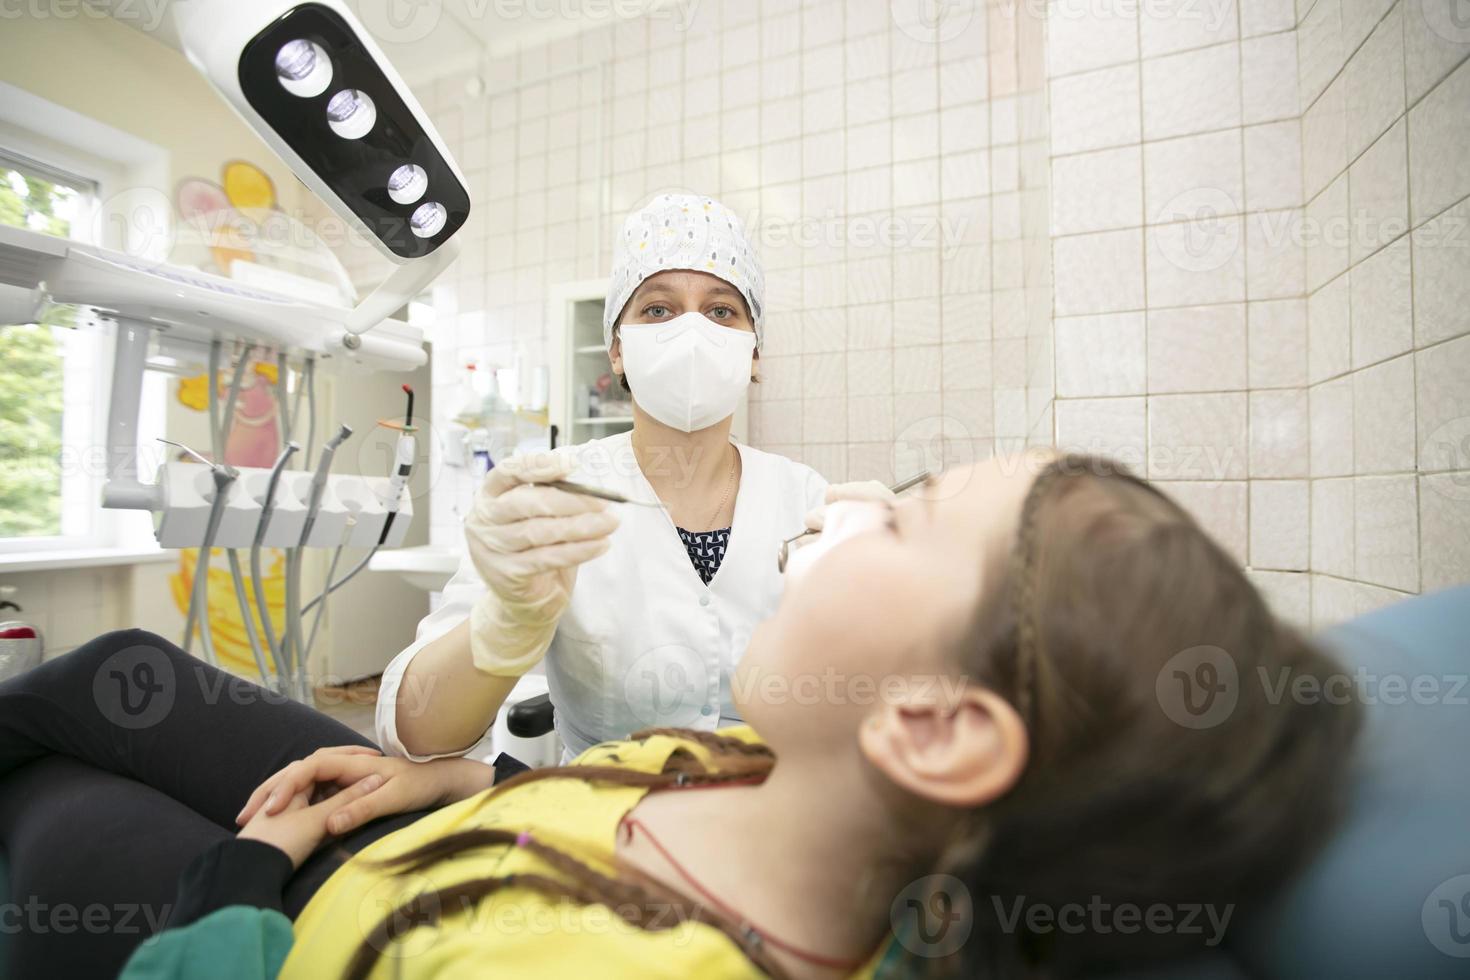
428,567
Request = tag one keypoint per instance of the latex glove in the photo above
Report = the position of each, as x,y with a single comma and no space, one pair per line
870,490
526,542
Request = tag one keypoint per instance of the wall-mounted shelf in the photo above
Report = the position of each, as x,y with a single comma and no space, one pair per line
574,326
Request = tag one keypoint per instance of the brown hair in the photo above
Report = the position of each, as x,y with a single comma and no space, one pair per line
1109,580
638,901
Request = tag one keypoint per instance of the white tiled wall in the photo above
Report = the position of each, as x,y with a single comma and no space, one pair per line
1181,321
1218,320
1385,92
1228,242
895,173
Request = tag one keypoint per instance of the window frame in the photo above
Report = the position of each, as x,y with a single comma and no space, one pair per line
57,144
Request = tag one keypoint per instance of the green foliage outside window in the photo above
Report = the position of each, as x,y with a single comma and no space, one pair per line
31,372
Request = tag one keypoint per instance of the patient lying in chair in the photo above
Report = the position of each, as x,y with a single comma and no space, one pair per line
1007,698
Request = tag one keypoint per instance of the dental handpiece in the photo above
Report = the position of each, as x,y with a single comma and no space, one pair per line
319,481
783,555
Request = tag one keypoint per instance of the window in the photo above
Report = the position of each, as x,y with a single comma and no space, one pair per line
48,401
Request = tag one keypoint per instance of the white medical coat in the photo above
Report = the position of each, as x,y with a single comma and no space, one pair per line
644,642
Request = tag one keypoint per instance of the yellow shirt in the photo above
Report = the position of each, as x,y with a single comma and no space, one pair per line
515,932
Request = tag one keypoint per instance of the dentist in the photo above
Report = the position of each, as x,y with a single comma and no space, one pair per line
641,613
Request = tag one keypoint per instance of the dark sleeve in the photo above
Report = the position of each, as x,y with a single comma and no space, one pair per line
233,872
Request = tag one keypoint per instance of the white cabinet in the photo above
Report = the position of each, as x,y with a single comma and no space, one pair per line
579,362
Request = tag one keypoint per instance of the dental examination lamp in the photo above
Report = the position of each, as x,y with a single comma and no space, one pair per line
311,82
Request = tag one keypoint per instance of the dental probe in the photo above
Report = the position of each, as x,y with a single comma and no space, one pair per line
784,554
599,493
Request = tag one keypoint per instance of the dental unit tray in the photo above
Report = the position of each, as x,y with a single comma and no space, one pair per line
353,509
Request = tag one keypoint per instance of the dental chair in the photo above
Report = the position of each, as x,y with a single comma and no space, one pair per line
1389,894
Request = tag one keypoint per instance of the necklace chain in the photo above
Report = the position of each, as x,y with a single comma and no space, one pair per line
729,484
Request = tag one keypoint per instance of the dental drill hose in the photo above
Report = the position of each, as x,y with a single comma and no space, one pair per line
266,509
224,477
404,452
316,622
227,422
310,406
283,408
199,593
237,578
295,636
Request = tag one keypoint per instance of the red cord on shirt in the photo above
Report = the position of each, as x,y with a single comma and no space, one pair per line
828,961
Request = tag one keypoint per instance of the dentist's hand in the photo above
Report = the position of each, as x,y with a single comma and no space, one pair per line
859,490
526,542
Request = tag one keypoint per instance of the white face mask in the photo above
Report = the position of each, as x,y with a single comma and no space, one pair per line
688,372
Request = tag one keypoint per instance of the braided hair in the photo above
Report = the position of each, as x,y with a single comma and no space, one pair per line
1108,580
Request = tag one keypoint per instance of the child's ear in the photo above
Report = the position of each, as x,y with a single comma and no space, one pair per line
963,754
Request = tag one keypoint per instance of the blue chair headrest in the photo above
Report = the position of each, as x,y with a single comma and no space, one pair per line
1389,895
